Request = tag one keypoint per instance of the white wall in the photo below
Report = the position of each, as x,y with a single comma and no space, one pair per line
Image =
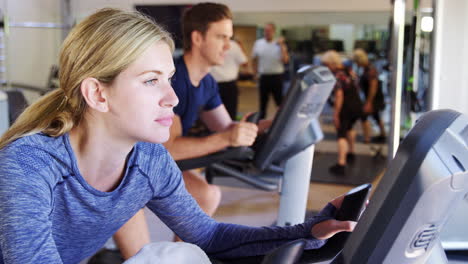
450,79
252,5
344,32
32,51
286,19
258,12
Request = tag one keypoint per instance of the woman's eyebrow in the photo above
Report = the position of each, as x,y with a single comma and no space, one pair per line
157,72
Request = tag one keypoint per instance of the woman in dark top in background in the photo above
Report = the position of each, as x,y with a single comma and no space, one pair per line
372,89
348,109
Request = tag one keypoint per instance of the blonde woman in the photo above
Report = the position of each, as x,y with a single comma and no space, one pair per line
372,88
347,110
85,158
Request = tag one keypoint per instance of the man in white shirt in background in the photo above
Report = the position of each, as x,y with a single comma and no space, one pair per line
226,75
269,56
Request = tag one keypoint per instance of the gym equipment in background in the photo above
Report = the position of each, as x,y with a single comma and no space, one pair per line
281,159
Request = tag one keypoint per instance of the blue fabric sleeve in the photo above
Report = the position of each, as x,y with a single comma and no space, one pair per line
25,205
180,212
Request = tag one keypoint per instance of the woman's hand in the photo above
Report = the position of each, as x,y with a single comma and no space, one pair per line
368,108
329,228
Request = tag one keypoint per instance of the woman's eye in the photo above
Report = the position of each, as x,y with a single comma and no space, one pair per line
151,82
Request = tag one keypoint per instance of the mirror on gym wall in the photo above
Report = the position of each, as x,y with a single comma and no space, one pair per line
307,34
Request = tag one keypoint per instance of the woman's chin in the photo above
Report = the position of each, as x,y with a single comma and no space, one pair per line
160,139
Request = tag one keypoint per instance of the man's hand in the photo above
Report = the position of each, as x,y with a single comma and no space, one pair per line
281,40
242,133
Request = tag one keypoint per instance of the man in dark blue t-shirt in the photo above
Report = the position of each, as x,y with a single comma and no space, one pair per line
207,29
193,100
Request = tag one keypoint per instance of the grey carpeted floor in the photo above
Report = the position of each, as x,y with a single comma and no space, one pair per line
364,169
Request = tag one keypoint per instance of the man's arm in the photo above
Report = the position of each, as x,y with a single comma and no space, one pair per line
284,50
254,57
218,120
255,66
241,58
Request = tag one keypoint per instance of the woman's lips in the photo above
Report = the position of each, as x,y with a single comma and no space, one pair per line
165,121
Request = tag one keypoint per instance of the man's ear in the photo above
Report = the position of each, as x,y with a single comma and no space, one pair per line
93,92
197,38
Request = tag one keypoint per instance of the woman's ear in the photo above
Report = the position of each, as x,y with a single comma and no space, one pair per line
93,92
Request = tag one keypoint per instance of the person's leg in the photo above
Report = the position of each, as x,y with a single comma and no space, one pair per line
342,151
366,130
351,140
351,134
208,196
277,88
380,123
234,100
383,134
263,96
342,145
132,236
228,92
339,167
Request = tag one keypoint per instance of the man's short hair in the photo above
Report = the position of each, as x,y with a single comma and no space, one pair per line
199,17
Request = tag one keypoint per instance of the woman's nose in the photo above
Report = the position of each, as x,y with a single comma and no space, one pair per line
170,99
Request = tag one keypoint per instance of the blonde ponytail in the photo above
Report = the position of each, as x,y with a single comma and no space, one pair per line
49,115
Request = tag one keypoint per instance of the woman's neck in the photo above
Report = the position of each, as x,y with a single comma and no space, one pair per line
101,160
